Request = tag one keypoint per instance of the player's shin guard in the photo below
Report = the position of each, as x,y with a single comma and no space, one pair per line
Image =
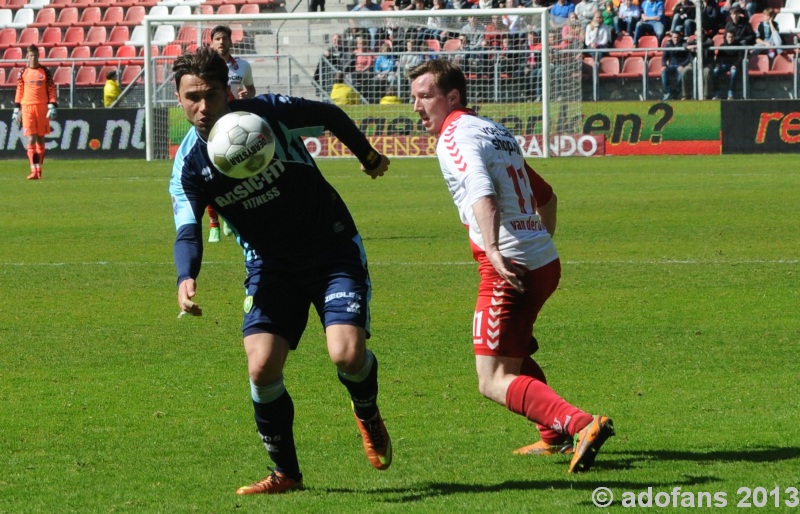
275,420
536,401
363,387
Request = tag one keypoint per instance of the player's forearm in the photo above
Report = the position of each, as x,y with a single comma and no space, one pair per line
188,251
487,216
548,214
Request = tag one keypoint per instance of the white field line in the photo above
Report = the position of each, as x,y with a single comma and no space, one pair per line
662,262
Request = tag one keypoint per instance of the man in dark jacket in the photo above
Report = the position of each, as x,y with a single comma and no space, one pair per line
674,62
743,33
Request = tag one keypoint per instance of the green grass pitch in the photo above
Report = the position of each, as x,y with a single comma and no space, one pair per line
677,315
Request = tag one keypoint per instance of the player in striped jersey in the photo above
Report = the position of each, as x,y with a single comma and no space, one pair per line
301,247
510,214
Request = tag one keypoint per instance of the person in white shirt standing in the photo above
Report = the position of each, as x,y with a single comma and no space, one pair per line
240,80
510,213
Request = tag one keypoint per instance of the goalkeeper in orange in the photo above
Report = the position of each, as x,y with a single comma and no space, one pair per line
34,107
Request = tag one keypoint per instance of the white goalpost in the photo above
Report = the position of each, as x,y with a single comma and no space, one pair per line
522,70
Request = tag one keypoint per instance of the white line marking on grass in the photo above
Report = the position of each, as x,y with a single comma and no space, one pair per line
667,262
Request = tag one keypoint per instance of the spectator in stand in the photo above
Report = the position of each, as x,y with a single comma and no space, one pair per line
342,93
729,60
609,13
333,61
683,18
598,34
743,32
473,31
628,16
368,24
460,55
748,7
768,34
711,17
111,89
385,69
674,60
435,26
316,5
572,31
708,64
585,10
390,98
560,11
652,20
410,58
532,71
513,22
364,61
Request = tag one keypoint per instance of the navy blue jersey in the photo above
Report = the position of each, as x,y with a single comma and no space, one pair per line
286,216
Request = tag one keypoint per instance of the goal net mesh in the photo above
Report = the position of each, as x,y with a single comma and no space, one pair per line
366,55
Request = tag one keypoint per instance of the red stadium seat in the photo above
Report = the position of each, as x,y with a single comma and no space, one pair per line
134,15
632,68
97,35
255,9
226,9
51,37
172,50
113,16
90,17
126,52
623,46
80,53
12,77
130,73
654,67
86,76
2,77
758,65
63,76
13,53
783,65
74,36
44,18
433,45
58,52
28,36
609,67
8,37
67,17
187,35
119,35
648,42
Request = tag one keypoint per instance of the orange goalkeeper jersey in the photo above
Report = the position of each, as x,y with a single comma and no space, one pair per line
35,86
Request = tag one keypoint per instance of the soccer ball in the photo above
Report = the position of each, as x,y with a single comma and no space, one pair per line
241,144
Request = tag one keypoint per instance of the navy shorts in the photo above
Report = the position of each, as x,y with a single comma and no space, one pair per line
277,300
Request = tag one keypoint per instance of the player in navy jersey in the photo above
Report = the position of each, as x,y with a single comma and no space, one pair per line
301,247
510,213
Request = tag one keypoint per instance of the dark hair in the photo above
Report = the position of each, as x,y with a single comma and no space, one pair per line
737,9
32,48
221,28
204,63
446,76
111,75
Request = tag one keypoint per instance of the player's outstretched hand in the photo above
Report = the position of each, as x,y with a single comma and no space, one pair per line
186,291
379,170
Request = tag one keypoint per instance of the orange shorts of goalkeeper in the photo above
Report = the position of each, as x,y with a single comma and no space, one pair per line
34,120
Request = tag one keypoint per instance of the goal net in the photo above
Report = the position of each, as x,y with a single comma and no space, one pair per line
522,69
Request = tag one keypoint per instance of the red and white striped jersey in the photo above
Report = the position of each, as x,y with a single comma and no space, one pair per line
480,158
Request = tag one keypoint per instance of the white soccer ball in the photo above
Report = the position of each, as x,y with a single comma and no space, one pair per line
241,144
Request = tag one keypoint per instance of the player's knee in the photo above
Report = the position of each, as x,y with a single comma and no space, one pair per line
347,358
